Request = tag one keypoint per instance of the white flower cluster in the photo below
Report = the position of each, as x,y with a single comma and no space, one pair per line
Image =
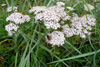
90,6
11,28
51,16
3,5
80,26
54,17
50,19
60,4
66,18
18,18
37,9
70,8
12,8
59,11
67,30
55,38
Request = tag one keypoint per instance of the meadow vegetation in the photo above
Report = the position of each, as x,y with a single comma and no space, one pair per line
27,47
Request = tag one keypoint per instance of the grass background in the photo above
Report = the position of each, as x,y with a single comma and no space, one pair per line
27,48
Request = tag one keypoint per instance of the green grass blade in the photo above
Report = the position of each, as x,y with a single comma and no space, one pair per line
78,56
53,54
16,59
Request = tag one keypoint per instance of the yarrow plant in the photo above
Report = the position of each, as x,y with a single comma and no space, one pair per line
18,18
12,8
15,19
79,26
55,38
11,28
70,8
51,15
90,6
3,5
60,4
54,17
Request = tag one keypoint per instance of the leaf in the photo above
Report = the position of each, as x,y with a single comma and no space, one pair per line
3,32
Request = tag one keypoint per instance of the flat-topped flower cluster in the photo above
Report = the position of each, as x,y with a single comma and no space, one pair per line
18,18
79,26
54,17
56,38
15,19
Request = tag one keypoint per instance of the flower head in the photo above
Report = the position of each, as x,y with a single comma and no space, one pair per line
18,18
12,8
37,9
90,6
60,3
3,5
82,25
67,30
11,28
70,8
50,16
55,38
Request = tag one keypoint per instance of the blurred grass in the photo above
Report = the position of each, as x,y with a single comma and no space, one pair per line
27,48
